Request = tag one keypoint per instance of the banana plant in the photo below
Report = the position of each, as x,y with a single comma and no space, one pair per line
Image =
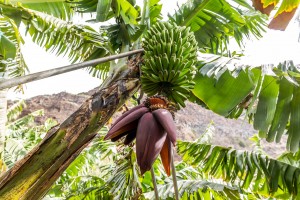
213,22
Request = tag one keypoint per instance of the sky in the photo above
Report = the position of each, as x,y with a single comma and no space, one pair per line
274,47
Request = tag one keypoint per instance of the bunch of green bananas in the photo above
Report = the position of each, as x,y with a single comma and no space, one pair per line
170,54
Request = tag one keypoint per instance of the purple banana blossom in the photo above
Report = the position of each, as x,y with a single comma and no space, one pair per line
152,124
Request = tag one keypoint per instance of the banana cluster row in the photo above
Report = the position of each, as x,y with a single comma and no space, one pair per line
170,53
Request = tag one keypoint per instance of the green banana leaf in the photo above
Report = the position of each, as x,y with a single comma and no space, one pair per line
55,35
250,171
58,8
224,94
215,21
103,7
223,84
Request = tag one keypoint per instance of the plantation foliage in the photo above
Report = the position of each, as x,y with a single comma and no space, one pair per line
73,161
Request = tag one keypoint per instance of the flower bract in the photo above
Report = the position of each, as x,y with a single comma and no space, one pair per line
152,124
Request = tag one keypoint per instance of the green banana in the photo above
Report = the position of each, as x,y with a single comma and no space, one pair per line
166,75
169,49
174,49
165,60
170,54
164,47
161,76
171,34
171,76
161,65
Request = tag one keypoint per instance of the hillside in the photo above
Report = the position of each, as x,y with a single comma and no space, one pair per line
191,121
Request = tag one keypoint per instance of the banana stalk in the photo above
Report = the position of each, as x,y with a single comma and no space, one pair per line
174,175
154,184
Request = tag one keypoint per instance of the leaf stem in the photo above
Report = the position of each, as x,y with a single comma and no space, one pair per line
8,83
154,184
174,175
145,13
144,21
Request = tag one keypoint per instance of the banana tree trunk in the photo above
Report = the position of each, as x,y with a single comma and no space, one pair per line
31,177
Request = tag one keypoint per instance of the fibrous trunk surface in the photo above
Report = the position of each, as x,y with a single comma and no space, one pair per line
31,177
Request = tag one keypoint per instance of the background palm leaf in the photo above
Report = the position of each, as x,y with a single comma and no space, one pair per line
191,185
60,9
85,6
12,63
268,93
78,42
290,158
249,170
15,110
215,21
106,9
196,189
